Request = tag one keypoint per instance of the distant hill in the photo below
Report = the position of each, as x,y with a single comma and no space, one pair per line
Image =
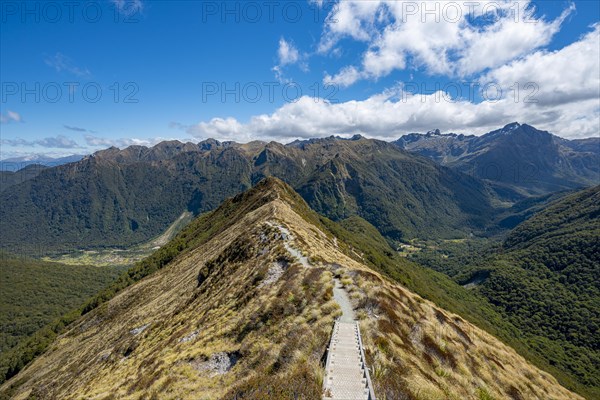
517,160
241,305
522,210
11,178
16,163
120,197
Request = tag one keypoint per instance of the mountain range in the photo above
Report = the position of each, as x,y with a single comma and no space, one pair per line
421,186
19,169
121,197
517,160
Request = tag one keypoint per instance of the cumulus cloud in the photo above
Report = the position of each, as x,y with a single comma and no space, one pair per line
10,116
350,18
57,142
443,37
500,42
101,142
508,39
395,112
346,77
564,76
60,63
287,54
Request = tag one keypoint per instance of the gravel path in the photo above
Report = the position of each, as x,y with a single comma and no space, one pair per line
286,236
341,297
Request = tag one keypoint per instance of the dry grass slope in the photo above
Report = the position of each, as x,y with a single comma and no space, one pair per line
239,318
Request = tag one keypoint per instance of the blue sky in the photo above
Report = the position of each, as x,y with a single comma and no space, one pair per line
83,75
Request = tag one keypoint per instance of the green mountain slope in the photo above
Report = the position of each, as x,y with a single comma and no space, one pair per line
116,198
558,253
544,279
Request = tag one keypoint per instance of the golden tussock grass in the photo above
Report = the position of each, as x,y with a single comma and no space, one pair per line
156,339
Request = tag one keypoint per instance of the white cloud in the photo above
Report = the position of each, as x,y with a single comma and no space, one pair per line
558,91
223,128
439,37
278,70
60,63
568,75
128,7
395,112
349,18
102,142
10,116
346,77
7,156
507,39
287,53
500,41
56,142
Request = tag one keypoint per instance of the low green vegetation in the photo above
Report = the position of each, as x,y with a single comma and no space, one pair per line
453,257
122,257
34,293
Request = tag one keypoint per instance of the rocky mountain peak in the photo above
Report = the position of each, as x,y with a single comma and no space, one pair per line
511,127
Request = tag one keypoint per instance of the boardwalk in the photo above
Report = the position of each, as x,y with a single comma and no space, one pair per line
346,376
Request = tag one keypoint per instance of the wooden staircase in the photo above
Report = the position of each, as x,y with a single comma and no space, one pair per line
346,374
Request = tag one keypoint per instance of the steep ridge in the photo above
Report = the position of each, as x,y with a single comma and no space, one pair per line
518,160
118,198
225,310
